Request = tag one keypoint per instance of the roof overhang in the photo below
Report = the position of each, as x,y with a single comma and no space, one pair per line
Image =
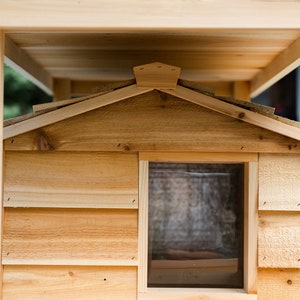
75,107
211,41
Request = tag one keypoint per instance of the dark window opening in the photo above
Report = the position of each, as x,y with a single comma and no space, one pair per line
195,229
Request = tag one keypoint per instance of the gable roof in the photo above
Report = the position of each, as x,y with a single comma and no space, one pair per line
251,113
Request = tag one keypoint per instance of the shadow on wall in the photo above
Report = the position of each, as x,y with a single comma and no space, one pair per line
282,95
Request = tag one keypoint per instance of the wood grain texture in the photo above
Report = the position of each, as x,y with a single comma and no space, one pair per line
278,284
70,237
197,157
195,294
236,112
70,179
69,283
73,110
65,14
143,226
279,182
156,75
154,122
251,226
279,240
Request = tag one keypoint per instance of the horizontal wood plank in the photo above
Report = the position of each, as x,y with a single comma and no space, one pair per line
279,182
73,282
195,294
279,240
197,157
278,284
69,236
65,179
63,14
154,122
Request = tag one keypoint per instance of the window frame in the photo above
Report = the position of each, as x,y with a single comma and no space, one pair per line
250,161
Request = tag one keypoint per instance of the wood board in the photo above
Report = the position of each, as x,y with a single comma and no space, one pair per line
69,283
278,284
70,237
71,179
279,182
154,122
279,240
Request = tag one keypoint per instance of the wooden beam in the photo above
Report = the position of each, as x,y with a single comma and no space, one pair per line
2,42
145,15
61,89
20,61
284,63
235,112
241,90
73,110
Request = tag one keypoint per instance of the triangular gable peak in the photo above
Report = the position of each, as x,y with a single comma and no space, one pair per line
154,80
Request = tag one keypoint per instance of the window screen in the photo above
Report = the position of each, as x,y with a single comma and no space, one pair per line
195,230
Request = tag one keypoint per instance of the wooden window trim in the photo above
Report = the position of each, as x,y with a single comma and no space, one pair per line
250,161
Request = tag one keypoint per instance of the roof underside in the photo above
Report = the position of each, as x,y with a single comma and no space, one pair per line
215,55
93,41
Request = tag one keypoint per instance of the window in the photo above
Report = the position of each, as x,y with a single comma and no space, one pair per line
197,223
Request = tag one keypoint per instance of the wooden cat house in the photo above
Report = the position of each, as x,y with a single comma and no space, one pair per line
154,190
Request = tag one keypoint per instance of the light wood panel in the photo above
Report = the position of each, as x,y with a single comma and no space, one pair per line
251,226
278,284
197,157
279,240
65,179
235,39
235,112
143,226
75,109
156,75
195,294
70,237
182,16
279,182
154,122
69,283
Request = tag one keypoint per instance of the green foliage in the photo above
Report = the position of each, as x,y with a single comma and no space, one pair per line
20,94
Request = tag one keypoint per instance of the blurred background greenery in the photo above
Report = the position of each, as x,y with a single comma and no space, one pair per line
20,94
